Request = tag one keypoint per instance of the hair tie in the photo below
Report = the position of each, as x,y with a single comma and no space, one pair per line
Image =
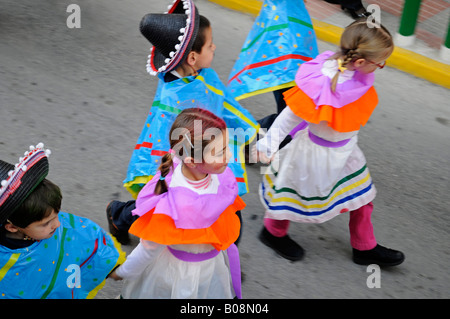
171,151
340,67
161,178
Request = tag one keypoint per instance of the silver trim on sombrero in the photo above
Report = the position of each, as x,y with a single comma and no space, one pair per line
22,165
183,31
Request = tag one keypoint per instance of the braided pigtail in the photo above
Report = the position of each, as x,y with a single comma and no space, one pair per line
164,168
349,57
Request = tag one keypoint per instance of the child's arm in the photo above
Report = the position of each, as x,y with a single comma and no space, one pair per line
137,261
285,122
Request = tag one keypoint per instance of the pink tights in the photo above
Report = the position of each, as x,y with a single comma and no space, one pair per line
360,225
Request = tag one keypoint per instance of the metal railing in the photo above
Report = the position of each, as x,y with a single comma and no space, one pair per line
408,22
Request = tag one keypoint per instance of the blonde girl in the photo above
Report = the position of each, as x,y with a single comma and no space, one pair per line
323,173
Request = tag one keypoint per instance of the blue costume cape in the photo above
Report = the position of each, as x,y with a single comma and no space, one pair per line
72,264
205,91
281,39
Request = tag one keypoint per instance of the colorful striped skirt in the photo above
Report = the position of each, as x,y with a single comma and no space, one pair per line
312,183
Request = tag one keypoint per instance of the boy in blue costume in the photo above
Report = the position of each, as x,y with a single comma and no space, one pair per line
45,253
181,57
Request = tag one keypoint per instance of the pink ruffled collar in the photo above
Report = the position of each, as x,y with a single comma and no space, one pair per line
188,208
312,80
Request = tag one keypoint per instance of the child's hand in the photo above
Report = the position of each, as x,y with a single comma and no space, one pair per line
114,276
262,157
255,156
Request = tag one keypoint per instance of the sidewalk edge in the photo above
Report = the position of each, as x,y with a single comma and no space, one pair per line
402,59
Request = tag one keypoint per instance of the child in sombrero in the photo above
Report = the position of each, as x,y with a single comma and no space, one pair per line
181,57
45,253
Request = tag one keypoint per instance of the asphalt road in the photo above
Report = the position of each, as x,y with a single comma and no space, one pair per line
85,93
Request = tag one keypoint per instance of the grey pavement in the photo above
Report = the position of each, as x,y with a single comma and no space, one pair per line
85,93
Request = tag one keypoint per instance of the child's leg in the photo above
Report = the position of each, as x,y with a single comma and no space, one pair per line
120,219
361,228
279,98
277,228
281,104
121,214
366,251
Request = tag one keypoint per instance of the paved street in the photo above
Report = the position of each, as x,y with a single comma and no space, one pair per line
85,94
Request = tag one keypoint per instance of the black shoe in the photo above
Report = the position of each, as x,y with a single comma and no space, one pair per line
122,236
357,14
379,255
283,246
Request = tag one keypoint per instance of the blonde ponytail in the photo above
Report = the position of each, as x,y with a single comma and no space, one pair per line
351,55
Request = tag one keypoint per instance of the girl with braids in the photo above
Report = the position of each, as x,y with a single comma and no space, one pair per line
187,221
334,96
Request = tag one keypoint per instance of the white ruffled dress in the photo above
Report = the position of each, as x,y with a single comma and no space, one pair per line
322,172
152,271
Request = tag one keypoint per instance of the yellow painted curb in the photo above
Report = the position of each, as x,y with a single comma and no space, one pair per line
246,6
402,59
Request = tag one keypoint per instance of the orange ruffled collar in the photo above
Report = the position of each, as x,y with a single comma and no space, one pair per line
345,119
160,228
346,109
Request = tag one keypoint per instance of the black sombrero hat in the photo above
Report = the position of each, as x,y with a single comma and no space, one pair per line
172,35
18,181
